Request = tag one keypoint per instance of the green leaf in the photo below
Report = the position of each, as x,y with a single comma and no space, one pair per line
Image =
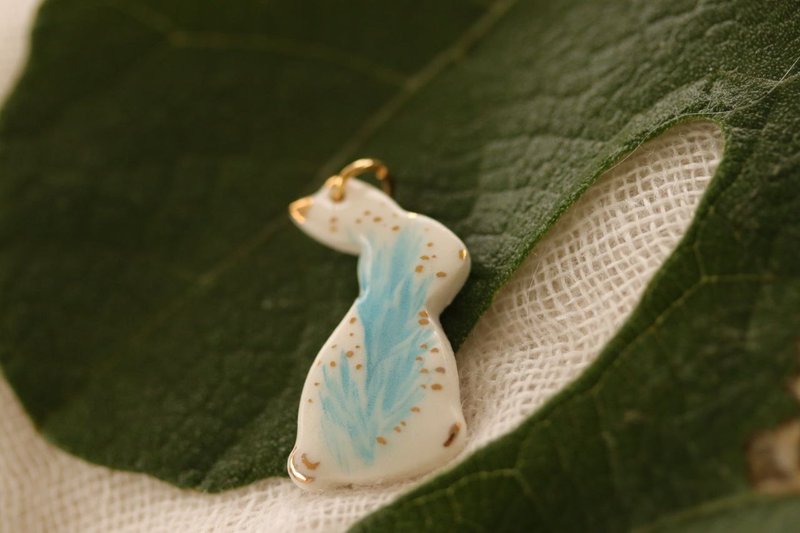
159,315
704,362
158,311
739,514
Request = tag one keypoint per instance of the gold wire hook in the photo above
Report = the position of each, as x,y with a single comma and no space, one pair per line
356,168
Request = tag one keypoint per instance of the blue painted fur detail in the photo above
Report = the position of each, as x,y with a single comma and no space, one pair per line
359,406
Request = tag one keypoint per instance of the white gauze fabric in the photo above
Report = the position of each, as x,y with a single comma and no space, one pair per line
545,326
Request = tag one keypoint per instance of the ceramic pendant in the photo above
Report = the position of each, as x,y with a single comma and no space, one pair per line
381,401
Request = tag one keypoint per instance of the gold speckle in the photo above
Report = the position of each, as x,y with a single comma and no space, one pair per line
434,350
424,345
381,440
424,257
430,245
418,358
310,400
349,353
333,220
434,256
367,213
423,321
353,320
415,409
397,429
308,464
359,366
333,229
441,274
423,314
423,371
440,369
358,221
333,346
377,219
358,346
452,434
316,383
436,386
424,386
333,363
395,228
462,254
418,269
351,333
402,422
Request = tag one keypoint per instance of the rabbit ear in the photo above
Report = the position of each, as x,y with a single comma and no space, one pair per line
326,220
343,224
299,209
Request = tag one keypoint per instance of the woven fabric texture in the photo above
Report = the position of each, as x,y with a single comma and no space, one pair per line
545,326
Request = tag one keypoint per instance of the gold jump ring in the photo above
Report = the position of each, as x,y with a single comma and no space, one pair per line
356,168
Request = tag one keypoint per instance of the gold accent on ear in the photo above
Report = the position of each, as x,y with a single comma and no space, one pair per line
299,208
462,254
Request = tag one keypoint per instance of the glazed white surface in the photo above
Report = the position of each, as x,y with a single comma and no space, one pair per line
381,401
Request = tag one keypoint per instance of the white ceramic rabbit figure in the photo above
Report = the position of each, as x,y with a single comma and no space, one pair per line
381,401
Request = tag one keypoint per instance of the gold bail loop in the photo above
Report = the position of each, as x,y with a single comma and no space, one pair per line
356,168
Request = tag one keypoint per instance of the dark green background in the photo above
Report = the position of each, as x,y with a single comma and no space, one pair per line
158,313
